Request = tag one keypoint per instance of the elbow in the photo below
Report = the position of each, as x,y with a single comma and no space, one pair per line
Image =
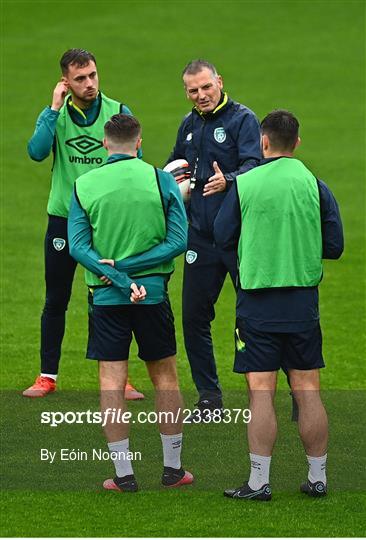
73,252
337,254
35,156
333,252
184,244
180,247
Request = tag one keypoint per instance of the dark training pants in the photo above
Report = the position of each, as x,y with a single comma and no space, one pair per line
205,270
59,274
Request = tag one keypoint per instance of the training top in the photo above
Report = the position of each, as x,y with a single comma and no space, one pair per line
136,213
229,135
76,138
280,309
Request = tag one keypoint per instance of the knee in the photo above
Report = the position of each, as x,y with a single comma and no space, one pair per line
112,376
56,302
262,381
301,381
164,377
195,321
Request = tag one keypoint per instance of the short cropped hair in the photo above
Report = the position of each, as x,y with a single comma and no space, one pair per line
282,129
76,57
122,129
195,66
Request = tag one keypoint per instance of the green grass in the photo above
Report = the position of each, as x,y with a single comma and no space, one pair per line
307,56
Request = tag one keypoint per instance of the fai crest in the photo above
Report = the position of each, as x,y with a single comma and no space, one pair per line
220,135
59,243
191,256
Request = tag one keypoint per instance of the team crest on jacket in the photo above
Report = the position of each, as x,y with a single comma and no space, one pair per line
220,135
59,243
191,256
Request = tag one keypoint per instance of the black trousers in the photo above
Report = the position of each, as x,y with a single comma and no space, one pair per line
205,270
59,274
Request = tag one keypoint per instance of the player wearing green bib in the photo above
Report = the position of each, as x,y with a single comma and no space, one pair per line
73,128
130,213
283,221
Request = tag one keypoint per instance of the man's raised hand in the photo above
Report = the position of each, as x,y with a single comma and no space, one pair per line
215,183
59,94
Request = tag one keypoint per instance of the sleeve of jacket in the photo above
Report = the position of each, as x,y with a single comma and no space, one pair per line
178,150
227,226
248,144
39,146
175,241
332,229
80,245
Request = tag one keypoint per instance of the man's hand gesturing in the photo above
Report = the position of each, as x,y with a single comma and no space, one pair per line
215,183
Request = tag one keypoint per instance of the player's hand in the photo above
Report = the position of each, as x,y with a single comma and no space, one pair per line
215,183
138,294
106,280
59,94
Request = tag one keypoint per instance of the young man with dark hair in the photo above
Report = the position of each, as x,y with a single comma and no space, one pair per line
282,220
73,128
128,216
220,139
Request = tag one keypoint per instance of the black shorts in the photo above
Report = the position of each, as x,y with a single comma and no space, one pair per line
111,329
256,350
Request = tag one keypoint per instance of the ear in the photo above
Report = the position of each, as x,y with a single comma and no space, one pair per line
220,82
105,143
138,143
265,142
298,142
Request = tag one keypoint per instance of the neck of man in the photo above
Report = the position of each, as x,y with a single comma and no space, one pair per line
81,103
126,150
276,153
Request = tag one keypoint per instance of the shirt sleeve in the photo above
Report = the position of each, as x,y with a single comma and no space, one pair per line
175,241
39,146
178,150
227,225
248,143
80,242
332,229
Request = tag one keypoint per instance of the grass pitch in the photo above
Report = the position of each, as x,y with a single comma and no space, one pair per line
304,56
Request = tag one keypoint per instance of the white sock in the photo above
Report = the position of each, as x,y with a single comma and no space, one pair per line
118,451
50,376
259,471
317,466
172,448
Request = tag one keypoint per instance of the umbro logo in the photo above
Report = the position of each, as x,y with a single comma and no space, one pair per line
84,144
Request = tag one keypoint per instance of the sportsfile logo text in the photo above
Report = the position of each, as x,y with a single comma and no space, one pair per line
118,416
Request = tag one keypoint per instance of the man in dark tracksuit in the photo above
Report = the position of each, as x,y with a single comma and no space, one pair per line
220,139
